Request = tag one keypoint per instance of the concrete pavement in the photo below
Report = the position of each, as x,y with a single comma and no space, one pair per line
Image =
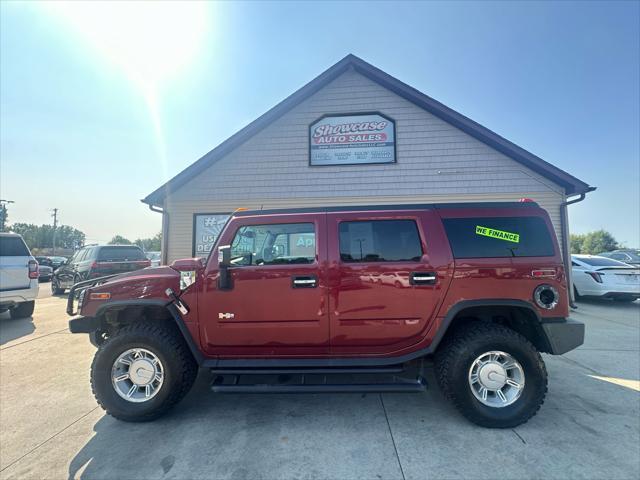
51,427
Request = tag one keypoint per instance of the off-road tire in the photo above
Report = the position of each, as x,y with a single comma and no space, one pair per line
55,287
454,359
23,310
180,370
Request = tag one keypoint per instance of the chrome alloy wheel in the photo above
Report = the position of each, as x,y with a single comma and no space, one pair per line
496,379
137,375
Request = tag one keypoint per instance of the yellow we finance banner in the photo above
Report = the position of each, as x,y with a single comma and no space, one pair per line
499,234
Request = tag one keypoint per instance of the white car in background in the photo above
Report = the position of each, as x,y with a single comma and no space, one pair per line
154,257
595,276
18,276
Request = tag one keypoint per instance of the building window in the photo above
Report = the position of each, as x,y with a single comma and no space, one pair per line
380,241
274,244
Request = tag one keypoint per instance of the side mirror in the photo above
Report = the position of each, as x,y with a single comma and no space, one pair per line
224,256
224,262
189,269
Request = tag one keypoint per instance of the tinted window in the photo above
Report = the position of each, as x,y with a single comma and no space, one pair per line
276,244
13,247
602,262
120,254
489,237
380,241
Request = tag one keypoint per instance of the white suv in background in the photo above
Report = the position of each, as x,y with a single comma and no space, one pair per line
18,276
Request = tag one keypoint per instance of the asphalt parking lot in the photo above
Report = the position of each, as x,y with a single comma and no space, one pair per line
51,427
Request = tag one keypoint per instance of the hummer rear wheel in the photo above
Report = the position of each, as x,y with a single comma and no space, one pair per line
493,375
142,371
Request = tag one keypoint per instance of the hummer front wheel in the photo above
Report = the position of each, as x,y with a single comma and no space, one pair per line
142,371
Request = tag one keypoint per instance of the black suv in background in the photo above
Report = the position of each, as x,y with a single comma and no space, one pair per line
95,261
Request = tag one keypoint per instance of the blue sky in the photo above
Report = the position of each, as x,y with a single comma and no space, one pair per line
87,126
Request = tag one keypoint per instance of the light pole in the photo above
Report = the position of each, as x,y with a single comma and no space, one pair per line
3,213
55,225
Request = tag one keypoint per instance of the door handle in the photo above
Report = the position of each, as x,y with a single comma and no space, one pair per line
307,281
423,278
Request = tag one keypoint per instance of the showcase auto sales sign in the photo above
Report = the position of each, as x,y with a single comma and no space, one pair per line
352,139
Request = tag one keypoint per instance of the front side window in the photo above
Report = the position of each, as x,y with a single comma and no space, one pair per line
274,244
380,241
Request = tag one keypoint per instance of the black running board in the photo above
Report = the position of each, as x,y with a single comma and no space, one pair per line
415,385
310,371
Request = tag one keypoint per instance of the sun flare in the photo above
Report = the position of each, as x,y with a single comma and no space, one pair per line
151,42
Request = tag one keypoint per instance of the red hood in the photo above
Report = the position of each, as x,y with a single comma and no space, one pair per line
143,273
148,284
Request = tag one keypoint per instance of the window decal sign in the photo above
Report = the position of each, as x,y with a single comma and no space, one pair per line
206,228
352,139
499,234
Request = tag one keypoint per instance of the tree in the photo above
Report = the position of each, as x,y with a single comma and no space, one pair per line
120,240
152,244
68,237
4,216
597,242
42,236
576,242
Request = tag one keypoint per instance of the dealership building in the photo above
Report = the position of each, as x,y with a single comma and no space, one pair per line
354,135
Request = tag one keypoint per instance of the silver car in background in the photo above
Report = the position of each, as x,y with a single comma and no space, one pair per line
45,268
625,255
154,257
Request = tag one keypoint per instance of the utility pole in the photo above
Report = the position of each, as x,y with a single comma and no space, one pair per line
3,213
55,225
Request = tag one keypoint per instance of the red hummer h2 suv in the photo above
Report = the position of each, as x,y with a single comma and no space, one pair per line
342,299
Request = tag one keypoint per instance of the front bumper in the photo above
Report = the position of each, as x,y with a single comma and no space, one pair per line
563,336
81,324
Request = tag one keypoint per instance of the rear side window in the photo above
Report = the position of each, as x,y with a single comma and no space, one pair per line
13,247
380,241
491,237
120,254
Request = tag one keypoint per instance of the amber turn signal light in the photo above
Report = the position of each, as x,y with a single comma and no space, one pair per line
100,296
